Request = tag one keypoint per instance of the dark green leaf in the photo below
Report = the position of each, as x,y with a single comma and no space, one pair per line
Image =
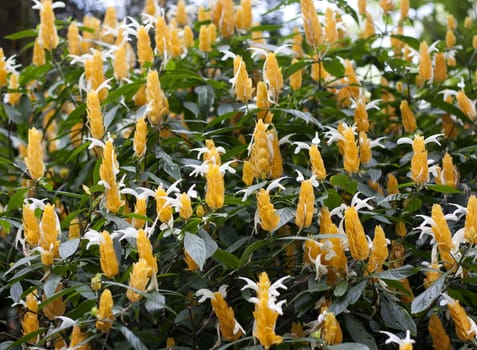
443,188
227,258
354,293
397,317
426,298
341,289
16,291
358,332
397,274
334,67
16,201
154,302
27,33
69,247
135,342
348,346
50,285
196,248
345,183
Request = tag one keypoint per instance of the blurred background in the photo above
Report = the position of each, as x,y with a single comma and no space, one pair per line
429,16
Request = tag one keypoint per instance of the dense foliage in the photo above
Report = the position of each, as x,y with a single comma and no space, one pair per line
190,182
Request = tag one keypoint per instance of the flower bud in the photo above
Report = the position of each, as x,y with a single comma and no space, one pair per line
34,157
419,164
188,37
466,105
269,218
107,254
425,65
158,105
140,138
440,339
311,23
350,148
95,118
272,75
215,188
306,205
47,33
296,78
144,50
408,119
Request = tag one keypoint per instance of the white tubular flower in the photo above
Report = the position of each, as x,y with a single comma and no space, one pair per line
393,338
94,238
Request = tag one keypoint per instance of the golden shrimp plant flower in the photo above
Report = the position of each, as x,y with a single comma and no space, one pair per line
157,103
330,328
272,75
34,157
306,201
49,233
266,214
229,328
311,23
470,227
108,170
105,313
95,117
47,33
138,279
267,309
440,339
465,327
30,322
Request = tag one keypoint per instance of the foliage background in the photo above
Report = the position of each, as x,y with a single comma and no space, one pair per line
198,88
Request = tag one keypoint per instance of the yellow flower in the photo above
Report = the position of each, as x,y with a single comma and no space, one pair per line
313,30
181,13
269,218
107,256
30,322
47,33
276,166
242,84
425,65
163,209
145,251
188,37
38,54
162,37
306,205
34,157
93,69
350,157
105,312
330,328
144,50
56,307
230,329
49,233
185,210
419,164
247,173
260,155
379,251
466,105
365,153
78,337
392,184
107,171
140,138
109,25
138,279
263,102
267,308
13,98
404,344
470,227
226,23
73,37
31,227
440,339
386,5
296,78
331,32
158,105
214,196
95,118
361,116
272,75
120,62
433,273
450,39
404,9
358,244
204,38
465,327
408,119
442,236
246,6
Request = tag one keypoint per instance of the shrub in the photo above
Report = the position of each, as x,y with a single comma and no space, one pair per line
183,182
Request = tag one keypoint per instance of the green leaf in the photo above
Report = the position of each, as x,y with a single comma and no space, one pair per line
412,42
205,98
443,189
286,214
51,284
397,317
396,274
169,166
358,332
341,289
135,342
210,244
155,302
16,200
413,205
13,114
345,183
28,33
306,116
354,293
16,291
196,248
68,248
227,258
334,67
251,248
426,298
